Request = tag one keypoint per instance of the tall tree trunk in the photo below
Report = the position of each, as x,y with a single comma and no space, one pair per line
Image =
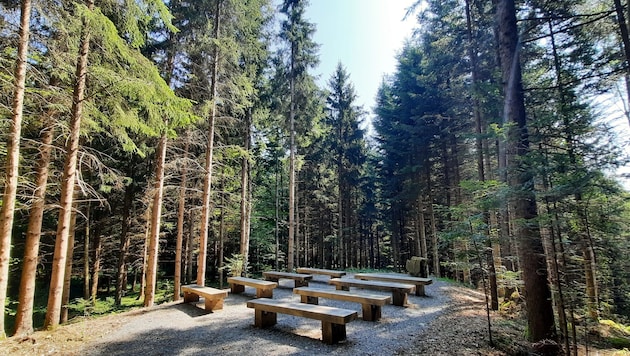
125,240
86,255
533,264
292,158
24,316
245,190
221,252
190,242
156,214
13,158
207,182
96,265
181,215
53,308
434,236
147,234
65,296
277,217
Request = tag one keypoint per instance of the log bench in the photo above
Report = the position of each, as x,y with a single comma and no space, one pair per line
399,290
326,272
213,297
264,289
301,280
371,304
333,320
419,282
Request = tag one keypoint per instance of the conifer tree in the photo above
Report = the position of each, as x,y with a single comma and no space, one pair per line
13,155
298,33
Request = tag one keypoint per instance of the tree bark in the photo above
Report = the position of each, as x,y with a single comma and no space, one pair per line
156,214
67,280
53,309
96,266
207,182
125,240
86,255
24,316
181,214
13,158
245,189
533,264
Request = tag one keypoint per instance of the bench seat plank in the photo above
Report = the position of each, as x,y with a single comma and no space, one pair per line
333,320
371,304
301,279
419,282
326,272
264,289
399,290
213,298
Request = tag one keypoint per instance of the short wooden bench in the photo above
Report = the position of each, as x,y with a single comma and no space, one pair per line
264,289
326,272
333,320
213,297
371,303
419,282
399,290
301,280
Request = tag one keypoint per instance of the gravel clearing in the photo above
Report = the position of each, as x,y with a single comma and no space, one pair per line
186,329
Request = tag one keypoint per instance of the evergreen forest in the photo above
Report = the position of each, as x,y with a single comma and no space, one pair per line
149,144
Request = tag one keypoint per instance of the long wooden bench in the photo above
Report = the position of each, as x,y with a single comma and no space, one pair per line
213,298
264,289
370,303
399,290
333,320
301,280
326,272
419,282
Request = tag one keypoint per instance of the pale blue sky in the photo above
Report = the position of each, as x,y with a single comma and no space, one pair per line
364,35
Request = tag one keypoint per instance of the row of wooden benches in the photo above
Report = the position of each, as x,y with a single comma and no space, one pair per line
333,319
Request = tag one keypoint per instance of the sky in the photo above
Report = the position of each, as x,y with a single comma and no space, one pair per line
365,36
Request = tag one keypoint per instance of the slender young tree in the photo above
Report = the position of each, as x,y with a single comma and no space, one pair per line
13,157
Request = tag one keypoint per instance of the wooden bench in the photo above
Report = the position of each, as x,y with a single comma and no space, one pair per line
399,290
301,280
371,303
213,297
419,282
326,272
264,289
333,320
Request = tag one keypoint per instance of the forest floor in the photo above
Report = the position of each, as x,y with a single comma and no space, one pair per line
458,327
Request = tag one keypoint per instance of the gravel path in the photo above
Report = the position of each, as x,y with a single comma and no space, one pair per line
185,329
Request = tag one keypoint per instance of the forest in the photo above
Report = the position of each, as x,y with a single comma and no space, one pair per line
148,144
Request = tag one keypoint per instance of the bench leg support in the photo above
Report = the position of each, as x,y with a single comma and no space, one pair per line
340,287
264,319
237,288
333,333
190,297
309,300
371,312
214,304
420,290
399,298
264,293
299,284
